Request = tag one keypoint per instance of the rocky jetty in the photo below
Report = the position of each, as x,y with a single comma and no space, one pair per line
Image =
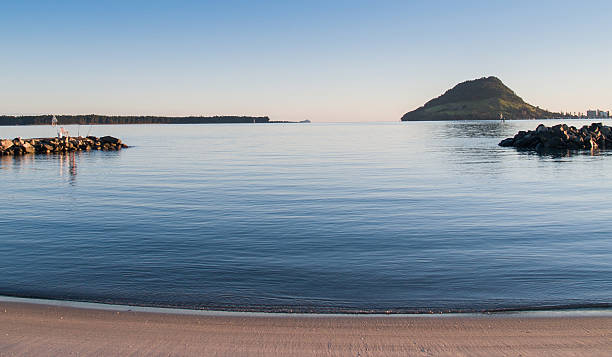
594,136
19,146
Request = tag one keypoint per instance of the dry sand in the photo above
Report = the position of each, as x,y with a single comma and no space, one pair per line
42,330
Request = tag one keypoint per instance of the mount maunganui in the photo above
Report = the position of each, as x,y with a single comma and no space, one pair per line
479,99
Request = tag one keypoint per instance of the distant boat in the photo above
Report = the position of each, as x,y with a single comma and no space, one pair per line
53,121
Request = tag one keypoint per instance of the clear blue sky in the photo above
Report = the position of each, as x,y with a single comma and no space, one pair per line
321,60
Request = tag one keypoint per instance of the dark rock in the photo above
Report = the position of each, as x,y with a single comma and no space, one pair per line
528,140
541,129
594,136
555,142
44,147
110,140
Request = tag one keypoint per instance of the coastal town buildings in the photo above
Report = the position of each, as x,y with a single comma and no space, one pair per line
597,113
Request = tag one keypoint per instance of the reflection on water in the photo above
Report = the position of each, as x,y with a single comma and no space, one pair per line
474,129
66,163
398,216
561,153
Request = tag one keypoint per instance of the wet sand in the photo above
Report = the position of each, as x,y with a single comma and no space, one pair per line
43,330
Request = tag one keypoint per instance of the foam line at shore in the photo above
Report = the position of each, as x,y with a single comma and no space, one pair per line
577,312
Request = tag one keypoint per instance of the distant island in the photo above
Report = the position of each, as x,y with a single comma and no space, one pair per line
480,99
94,119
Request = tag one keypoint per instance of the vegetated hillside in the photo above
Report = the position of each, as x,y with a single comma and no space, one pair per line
92,119
479,99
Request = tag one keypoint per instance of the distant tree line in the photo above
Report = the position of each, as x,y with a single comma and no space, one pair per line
94,119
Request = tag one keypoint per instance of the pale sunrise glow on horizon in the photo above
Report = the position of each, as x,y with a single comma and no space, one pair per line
305,178
338,61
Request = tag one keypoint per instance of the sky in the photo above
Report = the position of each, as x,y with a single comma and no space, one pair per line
327,61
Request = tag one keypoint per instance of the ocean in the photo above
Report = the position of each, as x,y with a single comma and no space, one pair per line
321,217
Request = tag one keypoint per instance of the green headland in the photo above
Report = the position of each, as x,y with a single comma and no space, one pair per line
480,99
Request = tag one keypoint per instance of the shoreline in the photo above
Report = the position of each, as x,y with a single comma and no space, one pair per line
48,330
597,311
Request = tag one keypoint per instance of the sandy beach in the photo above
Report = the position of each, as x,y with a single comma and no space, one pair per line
42,330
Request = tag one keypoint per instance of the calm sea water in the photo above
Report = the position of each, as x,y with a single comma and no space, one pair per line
313,217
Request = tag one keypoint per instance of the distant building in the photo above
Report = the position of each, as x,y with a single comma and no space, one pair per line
592,114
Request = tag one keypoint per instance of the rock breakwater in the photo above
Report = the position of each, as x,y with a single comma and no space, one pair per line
19,146
593,137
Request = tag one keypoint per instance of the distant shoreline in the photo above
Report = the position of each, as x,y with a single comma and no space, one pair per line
95,119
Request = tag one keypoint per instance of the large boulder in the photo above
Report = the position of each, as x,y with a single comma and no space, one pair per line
5,144
27,148
110,140
44,147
